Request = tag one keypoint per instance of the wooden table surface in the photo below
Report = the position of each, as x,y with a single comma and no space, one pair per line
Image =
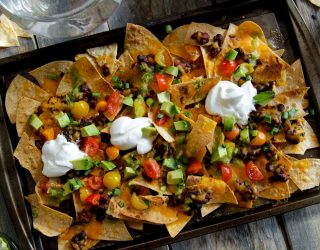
299,229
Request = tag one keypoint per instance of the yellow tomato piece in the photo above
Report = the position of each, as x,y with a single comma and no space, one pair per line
84,193
160,59
80,109
112,179
48,133
112,152
137,202
101,106
259,140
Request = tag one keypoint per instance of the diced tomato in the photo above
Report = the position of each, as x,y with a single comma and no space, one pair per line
160,121
253,172
194,167
226,172
113,102
96,182
93,199
228,67
162,82
152,168
44,184
90,146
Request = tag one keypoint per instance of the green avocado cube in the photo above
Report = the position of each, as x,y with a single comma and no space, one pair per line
163,97
129,173
35,121
245,135
166,108
175,176
108,165
82,164
219,153
170,163
90,130
62,119
72,185
148,132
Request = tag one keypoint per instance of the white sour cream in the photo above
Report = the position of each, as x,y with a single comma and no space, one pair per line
126,134
227,98
57,154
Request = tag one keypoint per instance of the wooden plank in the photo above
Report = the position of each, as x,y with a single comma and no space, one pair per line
264,234
141,11
44,41
311,16
303,227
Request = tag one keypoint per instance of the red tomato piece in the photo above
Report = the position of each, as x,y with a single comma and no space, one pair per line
152,168
91,146
160,121
253,172
226,172
93,199
228,67
96,182
162,82
113,102
194,167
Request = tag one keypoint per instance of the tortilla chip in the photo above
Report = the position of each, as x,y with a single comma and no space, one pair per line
202,27
209,208
110,116
200,136
252,29
278,191
108,229
86,69
164,133
29,157
305,173
65,85
42,196
66,244
105,55
310,141
187,93
209,62
20,32
101,86
24,112
8,35
175,228
48,221
139,40
279,52
56,67
292,187
200,186
152,185
134,225
292,99
18,88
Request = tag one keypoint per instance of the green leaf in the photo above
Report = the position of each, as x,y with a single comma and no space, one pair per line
263,98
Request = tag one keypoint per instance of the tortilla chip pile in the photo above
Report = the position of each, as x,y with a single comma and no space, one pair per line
10,31
196,164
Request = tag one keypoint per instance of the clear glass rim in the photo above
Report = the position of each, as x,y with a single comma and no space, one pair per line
52,18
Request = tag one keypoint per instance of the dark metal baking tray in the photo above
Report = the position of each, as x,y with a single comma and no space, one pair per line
284,28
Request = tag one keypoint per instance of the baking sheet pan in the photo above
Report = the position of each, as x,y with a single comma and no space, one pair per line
283,28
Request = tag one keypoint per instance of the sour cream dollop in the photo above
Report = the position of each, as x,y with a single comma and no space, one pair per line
126,134
57,154
227,98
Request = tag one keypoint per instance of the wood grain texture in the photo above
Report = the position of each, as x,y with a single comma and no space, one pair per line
311,16
264,234
303,228
142,11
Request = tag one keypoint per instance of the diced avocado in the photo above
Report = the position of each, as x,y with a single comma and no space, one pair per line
116,192
179,188
245,135
140,107
129,173
170,163
175,176
55,192
166,108
230,146
90,130
108,165
253,133
181,125
72,185
163,97
172,70
240,72
35,121
148,132
175,110
149,102
219,154
62,119
228,122
128,100
82,164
